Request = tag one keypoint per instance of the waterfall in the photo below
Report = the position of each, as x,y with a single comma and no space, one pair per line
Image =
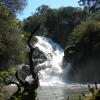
50,71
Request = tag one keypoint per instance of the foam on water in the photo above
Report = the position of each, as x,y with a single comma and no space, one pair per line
50,71
29,79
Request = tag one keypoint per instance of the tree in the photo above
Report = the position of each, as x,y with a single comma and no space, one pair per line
42,10
60,22
39,17
52,21
95,16
32,21
12,47
57,22
14,5
91,5
85,39
28,87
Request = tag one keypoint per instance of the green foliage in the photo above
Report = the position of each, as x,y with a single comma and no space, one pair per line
7,73
85,32
21,96
39,17
84,40
60,22
69,18
42,10
11,70
91,5
56,22
14,5
95,16
12,45
17,98
1,94
31,22
95,93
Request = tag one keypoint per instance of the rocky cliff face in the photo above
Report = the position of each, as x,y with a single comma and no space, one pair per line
38,56
85,65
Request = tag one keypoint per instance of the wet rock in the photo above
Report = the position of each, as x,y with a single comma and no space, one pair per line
23,72
38,56
85,65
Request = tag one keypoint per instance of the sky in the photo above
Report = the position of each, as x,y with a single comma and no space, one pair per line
33,4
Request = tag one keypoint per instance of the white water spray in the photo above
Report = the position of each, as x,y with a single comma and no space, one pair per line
50,71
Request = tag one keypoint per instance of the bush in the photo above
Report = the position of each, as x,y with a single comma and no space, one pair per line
85,31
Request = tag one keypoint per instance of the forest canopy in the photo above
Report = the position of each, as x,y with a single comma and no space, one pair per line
12,45
14,6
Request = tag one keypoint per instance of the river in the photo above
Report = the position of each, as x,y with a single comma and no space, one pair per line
62,92
58,92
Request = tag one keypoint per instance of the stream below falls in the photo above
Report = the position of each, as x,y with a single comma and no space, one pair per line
58,92
61,92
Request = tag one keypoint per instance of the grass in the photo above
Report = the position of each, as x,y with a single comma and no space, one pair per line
94,93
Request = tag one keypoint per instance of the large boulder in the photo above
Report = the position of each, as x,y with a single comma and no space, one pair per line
38,56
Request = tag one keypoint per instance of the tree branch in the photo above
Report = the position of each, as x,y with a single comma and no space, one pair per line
29,39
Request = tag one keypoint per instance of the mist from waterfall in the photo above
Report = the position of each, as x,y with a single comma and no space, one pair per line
50,71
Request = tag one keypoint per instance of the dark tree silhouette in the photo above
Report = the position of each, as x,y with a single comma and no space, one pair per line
91,5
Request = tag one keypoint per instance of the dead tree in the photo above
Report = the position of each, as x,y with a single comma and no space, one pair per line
32,66
34,85
30,87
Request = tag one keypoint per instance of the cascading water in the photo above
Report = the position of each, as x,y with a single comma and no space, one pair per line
50,71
